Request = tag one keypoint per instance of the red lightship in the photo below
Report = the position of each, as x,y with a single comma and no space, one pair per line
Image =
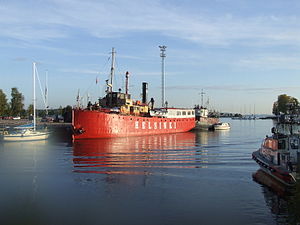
117,115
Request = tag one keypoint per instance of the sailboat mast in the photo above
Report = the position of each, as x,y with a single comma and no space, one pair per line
46,93
34,99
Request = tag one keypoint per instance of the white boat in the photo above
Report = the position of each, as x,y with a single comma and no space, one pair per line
27,132
222,126
26,135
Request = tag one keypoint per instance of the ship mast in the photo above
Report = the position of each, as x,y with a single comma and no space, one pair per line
112,73
162,55
112,70
202,94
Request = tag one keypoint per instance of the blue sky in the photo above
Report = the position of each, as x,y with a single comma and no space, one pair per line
242,53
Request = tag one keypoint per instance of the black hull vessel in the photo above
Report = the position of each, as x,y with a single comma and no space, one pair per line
278,172
279,156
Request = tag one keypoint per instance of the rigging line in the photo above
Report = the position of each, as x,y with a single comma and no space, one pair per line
120,74
100,72
116,69
105,64
86,92
102,90
38,77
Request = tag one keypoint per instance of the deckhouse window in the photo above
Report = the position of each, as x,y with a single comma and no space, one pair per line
281,144
294,144
189,112
178,113
184,113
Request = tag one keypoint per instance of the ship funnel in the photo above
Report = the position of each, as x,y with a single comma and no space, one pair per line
145,92
127,83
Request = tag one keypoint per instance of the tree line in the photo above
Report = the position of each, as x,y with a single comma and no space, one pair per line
15,107
286,105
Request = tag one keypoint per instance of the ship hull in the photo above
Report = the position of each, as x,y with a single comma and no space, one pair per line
206,123
277,172
95,124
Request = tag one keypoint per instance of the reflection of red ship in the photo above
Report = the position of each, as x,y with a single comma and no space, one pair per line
168,150
117,115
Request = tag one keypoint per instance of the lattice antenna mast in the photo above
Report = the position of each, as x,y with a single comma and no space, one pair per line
162,55
202,94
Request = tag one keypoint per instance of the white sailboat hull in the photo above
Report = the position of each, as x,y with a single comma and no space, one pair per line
27,136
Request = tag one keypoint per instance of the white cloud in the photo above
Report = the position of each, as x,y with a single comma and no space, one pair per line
81,71
271,62
44,20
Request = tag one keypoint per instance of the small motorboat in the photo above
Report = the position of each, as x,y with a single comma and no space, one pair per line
221,126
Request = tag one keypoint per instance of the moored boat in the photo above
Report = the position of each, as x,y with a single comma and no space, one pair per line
117,115
204,119
27,132
221,126
26,135
279,156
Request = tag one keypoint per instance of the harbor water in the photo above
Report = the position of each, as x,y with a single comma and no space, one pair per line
186,178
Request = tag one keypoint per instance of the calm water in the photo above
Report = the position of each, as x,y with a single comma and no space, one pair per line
188,178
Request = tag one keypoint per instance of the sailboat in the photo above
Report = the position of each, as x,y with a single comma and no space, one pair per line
28,133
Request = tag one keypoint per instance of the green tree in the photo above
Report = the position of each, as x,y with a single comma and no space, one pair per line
60,110
30,110
285,104
4,107
275,108
41,113
16,102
